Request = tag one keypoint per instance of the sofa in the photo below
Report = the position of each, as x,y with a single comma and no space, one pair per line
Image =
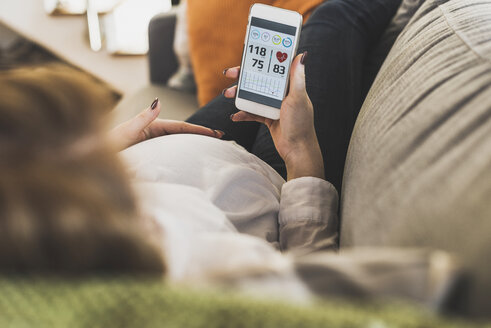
417,174
418,170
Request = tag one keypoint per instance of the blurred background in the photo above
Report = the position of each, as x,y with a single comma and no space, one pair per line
107,39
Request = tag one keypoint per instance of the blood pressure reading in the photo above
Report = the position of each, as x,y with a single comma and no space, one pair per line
280,69
265,68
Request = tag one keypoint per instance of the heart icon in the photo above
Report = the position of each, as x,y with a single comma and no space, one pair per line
282,56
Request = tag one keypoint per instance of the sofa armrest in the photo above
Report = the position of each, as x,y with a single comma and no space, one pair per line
161,56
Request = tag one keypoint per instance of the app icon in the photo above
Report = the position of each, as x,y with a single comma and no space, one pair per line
277,39
265,37
255,34
287,42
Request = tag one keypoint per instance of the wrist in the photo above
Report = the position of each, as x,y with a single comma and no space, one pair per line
305,161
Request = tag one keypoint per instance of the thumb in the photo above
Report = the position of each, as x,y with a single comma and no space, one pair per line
297,74
147,116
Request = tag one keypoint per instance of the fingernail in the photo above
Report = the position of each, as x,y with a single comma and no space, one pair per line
218,133
225,71
232,117
223,91
154,104
302,60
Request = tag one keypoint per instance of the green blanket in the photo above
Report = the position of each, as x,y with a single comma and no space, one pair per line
144,302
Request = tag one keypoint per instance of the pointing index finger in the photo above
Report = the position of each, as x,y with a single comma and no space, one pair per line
177,127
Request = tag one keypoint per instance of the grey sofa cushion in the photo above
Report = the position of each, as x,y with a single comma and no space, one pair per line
418,171
406,11
381,49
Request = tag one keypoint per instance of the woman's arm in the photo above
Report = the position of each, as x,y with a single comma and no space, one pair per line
308,218
308,207
147,125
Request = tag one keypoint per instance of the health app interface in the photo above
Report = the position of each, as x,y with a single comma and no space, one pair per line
265,69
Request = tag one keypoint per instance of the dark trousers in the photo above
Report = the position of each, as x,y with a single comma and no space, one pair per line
338,37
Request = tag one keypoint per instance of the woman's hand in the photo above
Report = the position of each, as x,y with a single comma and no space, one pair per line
294,133
146,126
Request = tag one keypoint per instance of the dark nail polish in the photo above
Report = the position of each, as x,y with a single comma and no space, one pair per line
302,60
225,71
232,116
223,92
154,104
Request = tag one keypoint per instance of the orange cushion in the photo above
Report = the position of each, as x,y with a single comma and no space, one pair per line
216,34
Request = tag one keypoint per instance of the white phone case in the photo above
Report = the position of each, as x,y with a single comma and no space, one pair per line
259,81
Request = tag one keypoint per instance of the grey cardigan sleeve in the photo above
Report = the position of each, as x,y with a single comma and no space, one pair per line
308,219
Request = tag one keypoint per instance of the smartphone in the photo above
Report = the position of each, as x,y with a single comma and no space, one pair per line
269,48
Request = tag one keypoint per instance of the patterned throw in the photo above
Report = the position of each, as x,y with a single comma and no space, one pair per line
144,302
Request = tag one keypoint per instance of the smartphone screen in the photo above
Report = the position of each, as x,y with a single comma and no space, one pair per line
265,68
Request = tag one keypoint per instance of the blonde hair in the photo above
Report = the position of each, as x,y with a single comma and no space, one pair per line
65,203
